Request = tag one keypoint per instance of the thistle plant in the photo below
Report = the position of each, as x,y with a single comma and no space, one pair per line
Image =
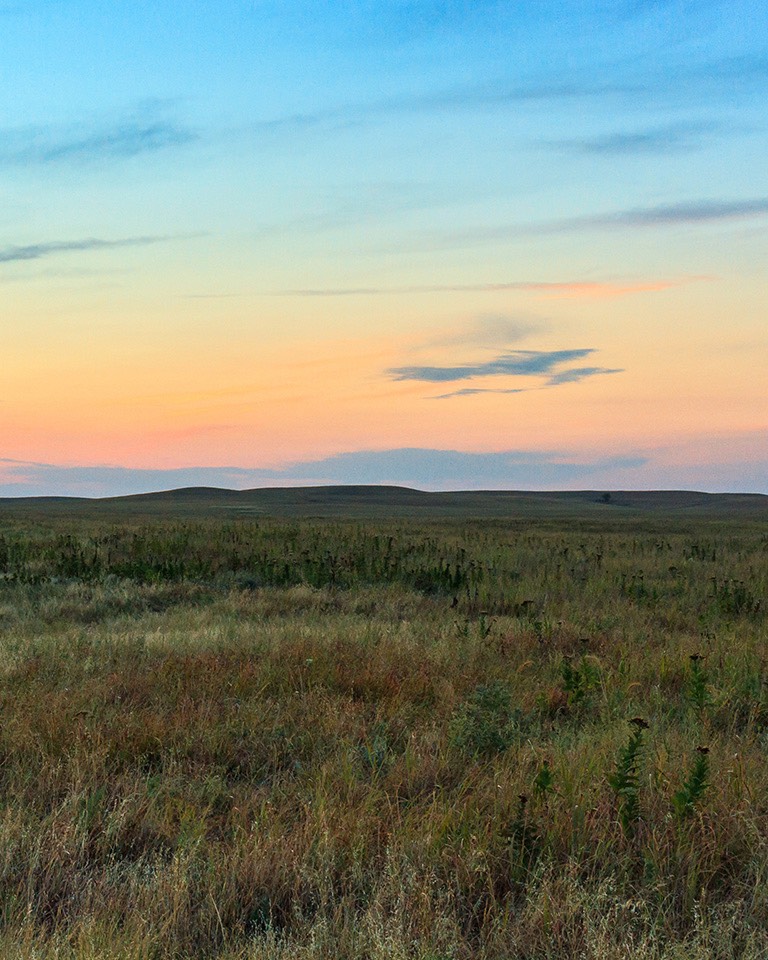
624,781
685,801
579,680
697,691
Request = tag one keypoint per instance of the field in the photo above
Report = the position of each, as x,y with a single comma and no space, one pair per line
401,728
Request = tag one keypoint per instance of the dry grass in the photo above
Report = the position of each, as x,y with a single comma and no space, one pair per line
196,763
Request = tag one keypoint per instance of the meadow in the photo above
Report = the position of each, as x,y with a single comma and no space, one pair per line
267,738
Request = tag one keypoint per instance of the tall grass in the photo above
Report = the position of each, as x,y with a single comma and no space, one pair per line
355,740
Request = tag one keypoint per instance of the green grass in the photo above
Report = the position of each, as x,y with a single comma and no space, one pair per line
295,738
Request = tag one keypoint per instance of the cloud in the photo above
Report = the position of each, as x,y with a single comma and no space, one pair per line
492,94
580,373
711,463
38,251
525,363
561,289
686,213
518,363
471,391
575,375
666,139
501,93
490,330
117,142
632,81
454,469
24,478
420,467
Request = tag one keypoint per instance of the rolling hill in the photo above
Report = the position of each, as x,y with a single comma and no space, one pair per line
395,502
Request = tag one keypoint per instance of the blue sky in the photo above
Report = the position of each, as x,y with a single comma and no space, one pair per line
260,233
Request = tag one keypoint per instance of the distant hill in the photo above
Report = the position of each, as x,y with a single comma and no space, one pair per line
395,502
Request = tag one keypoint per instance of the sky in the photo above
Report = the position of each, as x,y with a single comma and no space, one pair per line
450,244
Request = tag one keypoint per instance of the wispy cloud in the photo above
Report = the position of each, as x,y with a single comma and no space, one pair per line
493,330
518,363
675,214
38,251
564,289
549,366
494,93
471,391
665,139
629,81
686,213
577,374
51,145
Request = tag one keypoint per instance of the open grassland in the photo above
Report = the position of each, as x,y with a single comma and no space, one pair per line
395,739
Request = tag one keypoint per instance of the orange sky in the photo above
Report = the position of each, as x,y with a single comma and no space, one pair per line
281,237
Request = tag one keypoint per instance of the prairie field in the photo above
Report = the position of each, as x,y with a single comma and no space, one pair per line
266,738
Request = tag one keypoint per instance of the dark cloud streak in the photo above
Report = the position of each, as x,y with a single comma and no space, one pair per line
35,146
686,213
580,373
548,287
471,391
575,375
519,363
37,251
658,140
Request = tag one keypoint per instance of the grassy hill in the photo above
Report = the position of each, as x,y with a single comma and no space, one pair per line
400,502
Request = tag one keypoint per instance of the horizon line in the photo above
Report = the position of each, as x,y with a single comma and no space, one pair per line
388,486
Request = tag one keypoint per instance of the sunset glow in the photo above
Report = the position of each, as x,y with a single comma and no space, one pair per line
253,243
